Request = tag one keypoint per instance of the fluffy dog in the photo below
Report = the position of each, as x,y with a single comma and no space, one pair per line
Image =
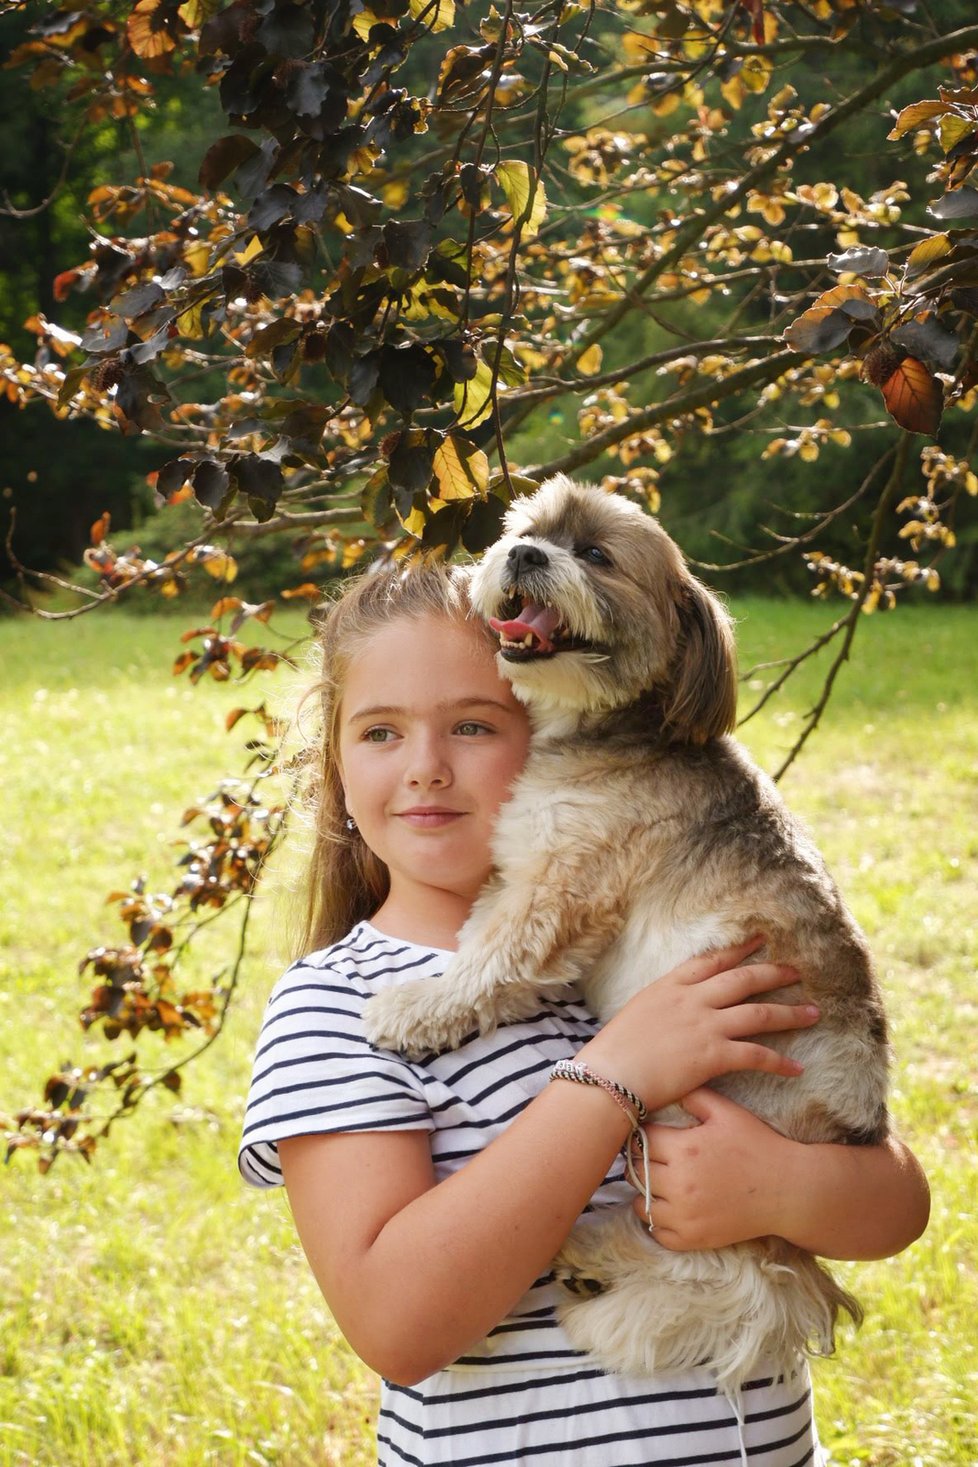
638,835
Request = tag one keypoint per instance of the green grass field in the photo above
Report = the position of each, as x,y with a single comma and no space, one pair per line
153,1311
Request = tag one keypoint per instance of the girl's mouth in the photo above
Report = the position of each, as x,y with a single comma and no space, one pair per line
428,817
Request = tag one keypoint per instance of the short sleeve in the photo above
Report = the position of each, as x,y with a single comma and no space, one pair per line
316,1074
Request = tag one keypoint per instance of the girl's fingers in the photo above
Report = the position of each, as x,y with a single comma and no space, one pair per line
708,965
734,985
768,1061
769,1018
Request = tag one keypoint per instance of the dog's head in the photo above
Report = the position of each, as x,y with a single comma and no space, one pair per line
596,610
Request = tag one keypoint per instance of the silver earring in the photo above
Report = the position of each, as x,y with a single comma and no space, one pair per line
351,824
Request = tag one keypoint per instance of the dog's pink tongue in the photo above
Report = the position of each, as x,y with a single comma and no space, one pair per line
535,621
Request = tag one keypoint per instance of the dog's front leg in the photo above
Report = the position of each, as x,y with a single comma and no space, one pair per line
511,948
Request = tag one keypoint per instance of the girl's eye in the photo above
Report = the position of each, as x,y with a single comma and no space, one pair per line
378,735
592,553
472,728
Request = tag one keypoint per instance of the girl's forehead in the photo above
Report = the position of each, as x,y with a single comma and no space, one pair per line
428,639
423,661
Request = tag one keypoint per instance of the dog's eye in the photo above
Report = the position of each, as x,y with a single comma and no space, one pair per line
592,553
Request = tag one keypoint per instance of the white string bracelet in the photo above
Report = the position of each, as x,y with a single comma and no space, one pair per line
633,1107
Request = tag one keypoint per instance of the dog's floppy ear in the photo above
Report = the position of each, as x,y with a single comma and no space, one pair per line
700,702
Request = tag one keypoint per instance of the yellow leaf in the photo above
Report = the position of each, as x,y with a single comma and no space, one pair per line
732,91
438,14
461,470
668,102
193,13
395,193
252,248
197,258
928,251
363,22
589,362
525,195
414,522
953,130
190,322
473,399
220,565
756,73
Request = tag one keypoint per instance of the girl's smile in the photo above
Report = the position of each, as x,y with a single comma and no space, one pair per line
429,817
430,741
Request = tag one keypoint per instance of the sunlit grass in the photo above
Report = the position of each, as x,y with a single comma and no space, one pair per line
156,1312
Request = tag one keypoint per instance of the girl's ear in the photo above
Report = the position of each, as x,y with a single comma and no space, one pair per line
700,702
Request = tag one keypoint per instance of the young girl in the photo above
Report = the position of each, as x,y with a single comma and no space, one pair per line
431,1197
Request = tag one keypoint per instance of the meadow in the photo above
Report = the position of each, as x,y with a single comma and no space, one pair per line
154,1311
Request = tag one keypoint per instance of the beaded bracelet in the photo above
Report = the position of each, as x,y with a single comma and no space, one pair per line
634,1109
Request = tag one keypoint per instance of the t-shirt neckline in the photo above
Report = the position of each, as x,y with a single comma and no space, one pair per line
423,947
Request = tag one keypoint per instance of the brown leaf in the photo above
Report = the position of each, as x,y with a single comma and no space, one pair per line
308,591
913,397
101,528
147,29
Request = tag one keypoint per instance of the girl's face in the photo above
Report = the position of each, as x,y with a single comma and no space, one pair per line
430,739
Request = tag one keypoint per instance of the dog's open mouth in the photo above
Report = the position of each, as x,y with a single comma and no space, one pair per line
527,629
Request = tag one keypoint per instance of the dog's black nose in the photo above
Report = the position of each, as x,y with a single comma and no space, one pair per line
523,558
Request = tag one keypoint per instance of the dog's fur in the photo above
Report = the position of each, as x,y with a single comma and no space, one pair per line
638,835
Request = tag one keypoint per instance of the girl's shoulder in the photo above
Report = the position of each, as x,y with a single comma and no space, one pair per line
363,962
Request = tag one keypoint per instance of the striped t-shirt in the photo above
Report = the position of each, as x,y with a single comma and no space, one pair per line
524,1396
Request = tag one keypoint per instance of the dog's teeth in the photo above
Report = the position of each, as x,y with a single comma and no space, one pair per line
528,640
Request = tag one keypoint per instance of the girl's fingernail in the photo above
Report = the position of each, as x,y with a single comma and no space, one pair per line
813,1010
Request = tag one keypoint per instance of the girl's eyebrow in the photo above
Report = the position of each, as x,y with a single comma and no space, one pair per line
386,710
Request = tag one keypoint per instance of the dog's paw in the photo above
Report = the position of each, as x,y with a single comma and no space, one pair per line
582,1266
412,1020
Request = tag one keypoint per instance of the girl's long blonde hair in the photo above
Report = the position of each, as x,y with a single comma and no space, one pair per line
345,881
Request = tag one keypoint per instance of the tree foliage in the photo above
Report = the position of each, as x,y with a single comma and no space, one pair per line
439,251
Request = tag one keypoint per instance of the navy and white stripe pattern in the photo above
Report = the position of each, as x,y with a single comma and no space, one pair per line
524,1395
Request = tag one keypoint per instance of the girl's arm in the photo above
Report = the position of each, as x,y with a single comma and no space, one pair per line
417,1273
733,1177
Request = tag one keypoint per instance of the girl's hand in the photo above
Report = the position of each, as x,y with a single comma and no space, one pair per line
696,1023
715,1183
733,1177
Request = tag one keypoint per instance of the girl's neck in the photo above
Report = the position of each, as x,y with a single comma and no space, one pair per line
429,917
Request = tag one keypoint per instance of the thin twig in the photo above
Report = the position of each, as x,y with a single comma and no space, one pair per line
890,490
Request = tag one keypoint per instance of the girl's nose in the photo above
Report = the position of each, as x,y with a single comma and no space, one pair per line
428,767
